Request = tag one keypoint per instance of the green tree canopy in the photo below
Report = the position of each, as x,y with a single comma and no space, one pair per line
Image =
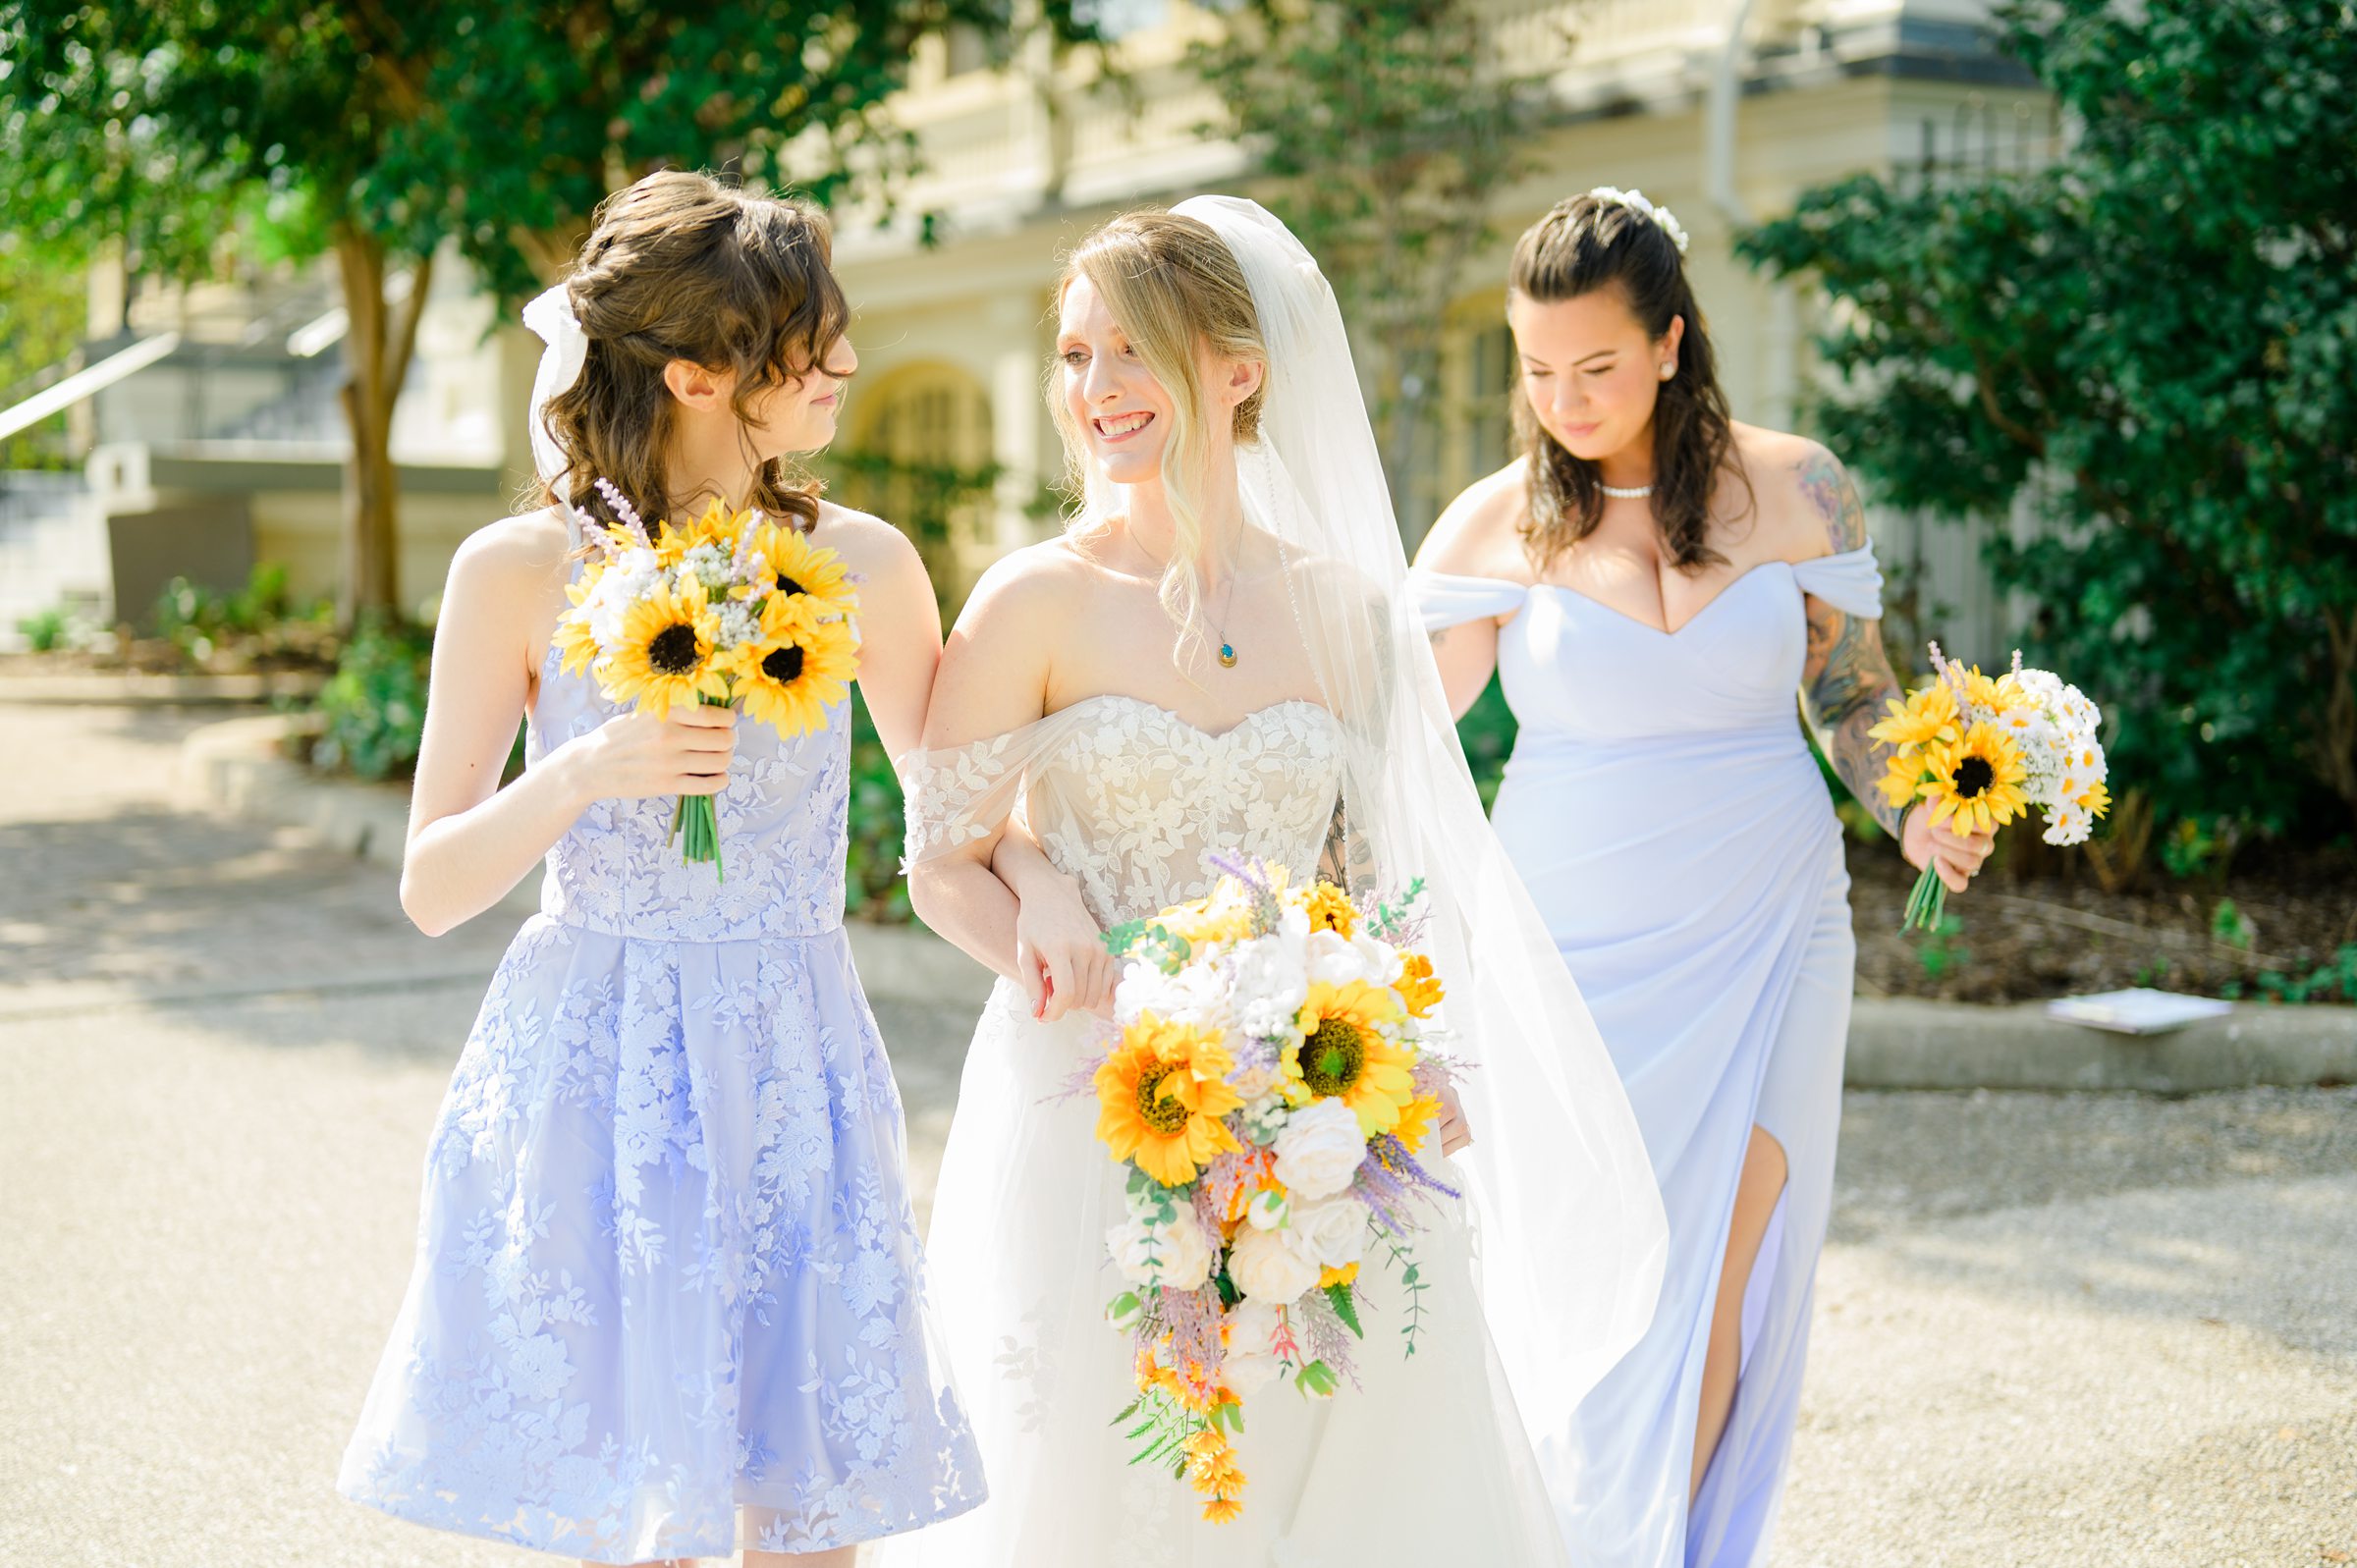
2157,334
379,130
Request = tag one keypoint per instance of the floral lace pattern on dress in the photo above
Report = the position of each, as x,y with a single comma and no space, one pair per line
1127,797
668,1277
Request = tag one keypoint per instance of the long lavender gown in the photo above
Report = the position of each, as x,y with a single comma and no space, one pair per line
1677,836
667,1269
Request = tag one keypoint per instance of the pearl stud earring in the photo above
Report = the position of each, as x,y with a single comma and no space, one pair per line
1669,369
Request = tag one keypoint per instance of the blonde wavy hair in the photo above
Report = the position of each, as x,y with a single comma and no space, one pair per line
1175,288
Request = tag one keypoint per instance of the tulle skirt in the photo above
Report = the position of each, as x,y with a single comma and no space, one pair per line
1425,1464
667,1270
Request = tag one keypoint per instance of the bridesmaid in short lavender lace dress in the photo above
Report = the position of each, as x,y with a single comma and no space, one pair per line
1653,584
668,1290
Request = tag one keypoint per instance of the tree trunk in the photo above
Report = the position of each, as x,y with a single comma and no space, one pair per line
378,344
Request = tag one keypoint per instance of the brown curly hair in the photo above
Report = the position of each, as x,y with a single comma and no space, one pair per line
681,266
1589,242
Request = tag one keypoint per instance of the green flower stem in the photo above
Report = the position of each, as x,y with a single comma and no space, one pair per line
1925,904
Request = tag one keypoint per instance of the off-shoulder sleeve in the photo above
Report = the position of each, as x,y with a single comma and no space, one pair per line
1850,581
1443,601
953,795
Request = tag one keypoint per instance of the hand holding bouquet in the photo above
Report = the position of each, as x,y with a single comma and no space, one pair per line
1269,1092
730,610
1984,751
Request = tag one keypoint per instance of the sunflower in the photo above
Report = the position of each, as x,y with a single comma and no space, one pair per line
794,671
1423,1113
1977,782
1902,784
575,640
1163,1092
1927,716
1344,1054
1330,909
808,579
1416,986
666,653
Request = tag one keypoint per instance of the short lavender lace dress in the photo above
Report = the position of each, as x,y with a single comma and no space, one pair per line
667,1269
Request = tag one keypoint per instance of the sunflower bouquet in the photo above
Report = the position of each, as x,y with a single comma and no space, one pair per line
730,610
1984,751
1269,1090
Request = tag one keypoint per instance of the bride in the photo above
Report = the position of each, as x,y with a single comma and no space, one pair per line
1217,657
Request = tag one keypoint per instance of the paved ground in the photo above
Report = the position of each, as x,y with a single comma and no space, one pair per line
2052,1329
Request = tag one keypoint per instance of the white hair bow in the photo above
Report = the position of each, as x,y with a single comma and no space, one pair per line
551,316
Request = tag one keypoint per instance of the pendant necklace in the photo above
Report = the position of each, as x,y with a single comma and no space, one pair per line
1235,569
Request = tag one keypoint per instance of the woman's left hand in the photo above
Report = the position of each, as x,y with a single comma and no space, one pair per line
1455,1132
1956,856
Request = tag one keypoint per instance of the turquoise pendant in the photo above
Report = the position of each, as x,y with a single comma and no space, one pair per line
1227,656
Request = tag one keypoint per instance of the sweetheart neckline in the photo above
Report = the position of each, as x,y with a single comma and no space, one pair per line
1687,625
1188,724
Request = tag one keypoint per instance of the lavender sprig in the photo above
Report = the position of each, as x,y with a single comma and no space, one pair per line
621,507
1325,1336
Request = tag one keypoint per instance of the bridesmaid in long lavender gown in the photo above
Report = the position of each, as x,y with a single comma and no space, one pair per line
1653,582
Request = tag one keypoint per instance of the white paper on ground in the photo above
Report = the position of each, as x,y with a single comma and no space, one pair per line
2140,1011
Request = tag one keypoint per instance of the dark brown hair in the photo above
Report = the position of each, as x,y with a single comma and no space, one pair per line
680,266
1590,243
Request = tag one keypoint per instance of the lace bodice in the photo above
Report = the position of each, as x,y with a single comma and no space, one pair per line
1127,797
783,820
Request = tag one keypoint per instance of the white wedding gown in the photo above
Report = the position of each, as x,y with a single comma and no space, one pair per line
1424,1465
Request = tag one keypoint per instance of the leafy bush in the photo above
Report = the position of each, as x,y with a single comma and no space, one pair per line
1487,733
374,704
873,887
47,630
2155,336
263,619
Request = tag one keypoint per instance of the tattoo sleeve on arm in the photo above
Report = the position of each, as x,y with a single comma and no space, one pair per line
1346,860
1849,677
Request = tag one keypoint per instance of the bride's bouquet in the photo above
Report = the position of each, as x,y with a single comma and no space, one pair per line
1984,751
1269,1091
731,608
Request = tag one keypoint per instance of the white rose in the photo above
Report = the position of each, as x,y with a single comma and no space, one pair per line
1252,1329
1266,1270
1320,1150
1378,957
1246,1376
1270,985
1331,958
1196,995
1176,1255
1293,924
1331,1234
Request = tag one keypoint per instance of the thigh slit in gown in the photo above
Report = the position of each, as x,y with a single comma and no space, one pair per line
1664,808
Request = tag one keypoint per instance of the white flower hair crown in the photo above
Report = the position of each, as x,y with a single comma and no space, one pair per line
1636,201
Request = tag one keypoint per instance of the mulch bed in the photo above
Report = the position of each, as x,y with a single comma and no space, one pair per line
2050,930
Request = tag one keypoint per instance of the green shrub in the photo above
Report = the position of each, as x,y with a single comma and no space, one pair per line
374,704
1487,733
2153,338
47,630
264,615
873,887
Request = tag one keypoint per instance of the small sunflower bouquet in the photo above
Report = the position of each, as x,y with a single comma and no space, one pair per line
1984,751
1270,1091
730,610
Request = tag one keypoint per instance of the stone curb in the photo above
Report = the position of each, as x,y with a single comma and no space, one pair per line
133,689
1895,1043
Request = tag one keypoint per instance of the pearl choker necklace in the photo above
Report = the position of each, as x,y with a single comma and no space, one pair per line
1618,493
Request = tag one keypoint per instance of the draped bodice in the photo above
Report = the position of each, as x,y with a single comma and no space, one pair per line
1127,799
783,820
1578,672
